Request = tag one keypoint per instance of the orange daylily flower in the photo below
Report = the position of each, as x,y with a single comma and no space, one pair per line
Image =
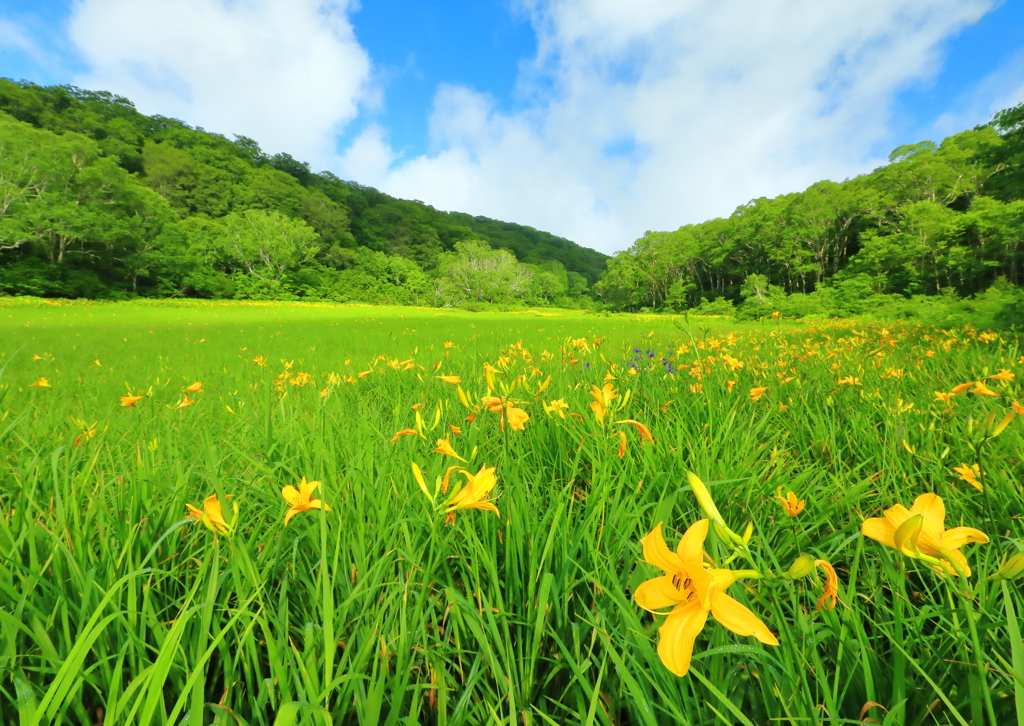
196,387
693,591
645,433
454,380
1017,408
1002,375
622,442
982,390
455,429
404,432
212,515
756,393
186,401
300,500
831,585
944,397
444,446
603,398
43,382
958,389
920,533
130,401
789,502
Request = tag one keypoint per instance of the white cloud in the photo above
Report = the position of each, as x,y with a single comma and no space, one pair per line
655,113
288,74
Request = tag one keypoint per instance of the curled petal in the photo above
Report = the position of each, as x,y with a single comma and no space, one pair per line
680,629
957,537
906,536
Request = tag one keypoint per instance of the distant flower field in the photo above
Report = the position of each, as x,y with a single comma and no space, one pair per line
300,514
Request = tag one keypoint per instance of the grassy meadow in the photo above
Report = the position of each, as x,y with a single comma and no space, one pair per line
147,575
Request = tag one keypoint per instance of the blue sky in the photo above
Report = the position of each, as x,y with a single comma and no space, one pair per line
592,119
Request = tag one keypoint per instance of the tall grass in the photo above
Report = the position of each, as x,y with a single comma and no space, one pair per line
117,609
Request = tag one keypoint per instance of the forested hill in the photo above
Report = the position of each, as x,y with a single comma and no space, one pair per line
99,200
941,219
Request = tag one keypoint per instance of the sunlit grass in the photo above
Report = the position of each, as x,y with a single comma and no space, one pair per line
116,607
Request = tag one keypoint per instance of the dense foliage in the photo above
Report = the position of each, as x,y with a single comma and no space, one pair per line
98,200
168,558
938,219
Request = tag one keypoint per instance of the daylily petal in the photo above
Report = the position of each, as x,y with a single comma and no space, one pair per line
739,619
291,494
879,529
482,505
907,534
931,508
897,514
306,488
289,514
953,539
691,546
658,593
657,553
677,635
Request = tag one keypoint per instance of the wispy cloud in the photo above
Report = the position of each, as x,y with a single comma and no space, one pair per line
655,113
288,74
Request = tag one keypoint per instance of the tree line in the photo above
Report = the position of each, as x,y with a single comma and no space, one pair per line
938,219
98,200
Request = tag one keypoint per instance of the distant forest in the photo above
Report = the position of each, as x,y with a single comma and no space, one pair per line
939,220
100,201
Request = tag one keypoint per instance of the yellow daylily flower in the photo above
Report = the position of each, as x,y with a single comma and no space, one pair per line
43,382
558,406
212,515
474,494
444,446
920,533
516,417
692,591
130,401
970,473
756,393
300,500
603,398
196,387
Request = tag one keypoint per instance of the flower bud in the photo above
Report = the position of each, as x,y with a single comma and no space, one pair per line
1012,568
707,504
802,566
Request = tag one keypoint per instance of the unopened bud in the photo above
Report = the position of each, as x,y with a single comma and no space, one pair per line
802,566
748,532
1012,568
707,504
